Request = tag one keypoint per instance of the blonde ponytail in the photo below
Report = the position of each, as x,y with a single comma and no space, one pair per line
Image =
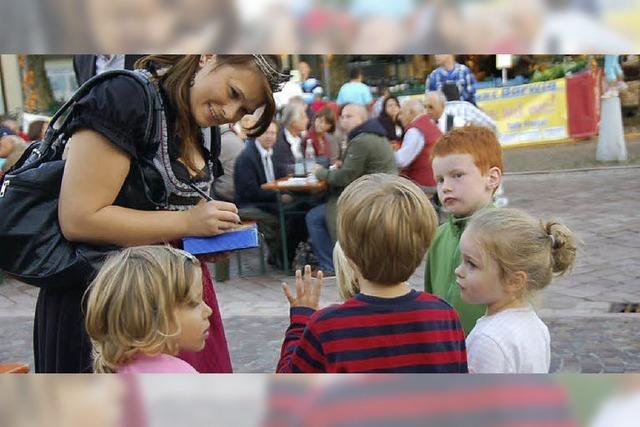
518,242
563,247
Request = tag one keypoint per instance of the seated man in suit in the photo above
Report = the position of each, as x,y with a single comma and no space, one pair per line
254,167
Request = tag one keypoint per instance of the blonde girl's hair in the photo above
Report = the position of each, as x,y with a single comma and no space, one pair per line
348,285
131,303
519,242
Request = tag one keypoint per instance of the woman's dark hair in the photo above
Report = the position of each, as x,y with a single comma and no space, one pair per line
388,123
176,82
328,115
355,73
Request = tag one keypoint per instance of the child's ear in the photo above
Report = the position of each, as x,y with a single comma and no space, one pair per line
494,175
517,282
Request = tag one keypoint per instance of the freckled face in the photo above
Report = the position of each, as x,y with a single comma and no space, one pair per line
462,189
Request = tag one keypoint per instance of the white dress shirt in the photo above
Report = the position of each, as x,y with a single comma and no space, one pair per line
267,163
296,144
412,145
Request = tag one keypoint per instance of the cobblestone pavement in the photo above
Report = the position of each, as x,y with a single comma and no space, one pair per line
574,155
600,205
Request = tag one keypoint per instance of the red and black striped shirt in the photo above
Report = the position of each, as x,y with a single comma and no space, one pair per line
409,400
417,332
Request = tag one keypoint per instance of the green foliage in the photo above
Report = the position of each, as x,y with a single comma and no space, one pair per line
558,71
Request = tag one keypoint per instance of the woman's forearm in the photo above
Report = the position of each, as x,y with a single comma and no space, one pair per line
127,227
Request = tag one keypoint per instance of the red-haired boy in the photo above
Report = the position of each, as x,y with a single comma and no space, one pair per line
467,165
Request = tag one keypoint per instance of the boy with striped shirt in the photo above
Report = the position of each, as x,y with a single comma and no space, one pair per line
385,225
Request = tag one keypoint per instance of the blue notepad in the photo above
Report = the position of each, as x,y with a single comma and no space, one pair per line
244,238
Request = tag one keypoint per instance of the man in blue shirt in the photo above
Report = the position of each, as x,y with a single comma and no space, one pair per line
450,71
354,91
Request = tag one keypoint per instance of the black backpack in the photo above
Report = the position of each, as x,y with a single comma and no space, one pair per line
32,246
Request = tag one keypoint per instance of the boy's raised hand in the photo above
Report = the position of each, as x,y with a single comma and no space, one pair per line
307,293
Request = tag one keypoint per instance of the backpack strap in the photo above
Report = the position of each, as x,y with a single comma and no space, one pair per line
153,121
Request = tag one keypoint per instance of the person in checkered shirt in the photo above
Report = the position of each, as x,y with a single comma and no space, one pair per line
454,114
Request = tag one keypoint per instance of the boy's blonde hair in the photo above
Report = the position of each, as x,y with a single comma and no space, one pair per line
479,142
132,303
519,242
348,285
385,225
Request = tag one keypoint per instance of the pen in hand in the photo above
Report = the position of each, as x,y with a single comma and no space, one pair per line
203,194
200,192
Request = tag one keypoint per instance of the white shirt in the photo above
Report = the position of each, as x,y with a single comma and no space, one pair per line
458,122
464,112
514,340
412,145
619,411
109,62
267,164
296,144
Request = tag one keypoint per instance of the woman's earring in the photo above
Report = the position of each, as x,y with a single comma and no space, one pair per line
192,81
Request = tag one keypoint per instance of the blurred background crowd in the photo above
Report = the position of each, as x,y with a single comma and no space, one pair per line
260,400
311,127
332,26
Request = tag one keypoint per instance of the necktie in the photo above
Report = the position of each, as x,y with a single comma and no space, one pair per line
268,168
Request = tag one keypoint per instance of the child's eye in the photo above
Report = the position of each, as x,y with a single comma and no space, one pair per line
233,93
471,264
439,180
458,175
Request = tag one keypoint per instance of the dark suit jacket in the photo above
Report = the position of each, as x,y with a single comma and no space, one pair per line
85,66
282,155
248,176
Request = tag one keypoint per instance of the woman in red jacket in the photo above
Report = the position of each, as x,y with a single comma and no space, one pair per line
321,136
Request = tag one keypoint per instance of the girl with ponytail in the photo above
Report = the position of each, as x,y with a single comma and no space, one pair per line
506,256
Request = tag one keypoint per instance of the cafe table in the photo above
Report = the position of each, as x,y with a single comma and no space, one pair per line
296,185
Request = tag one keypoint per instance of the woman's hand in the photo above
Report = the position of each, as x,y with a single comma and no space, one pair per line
307,294
212,218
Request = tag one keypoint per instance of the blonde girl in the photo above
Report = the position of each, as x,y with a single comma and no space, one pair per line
348,285
144,306
506,255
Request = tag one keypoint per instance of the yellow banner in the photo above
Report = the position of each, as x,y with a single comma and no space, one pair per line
530,113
